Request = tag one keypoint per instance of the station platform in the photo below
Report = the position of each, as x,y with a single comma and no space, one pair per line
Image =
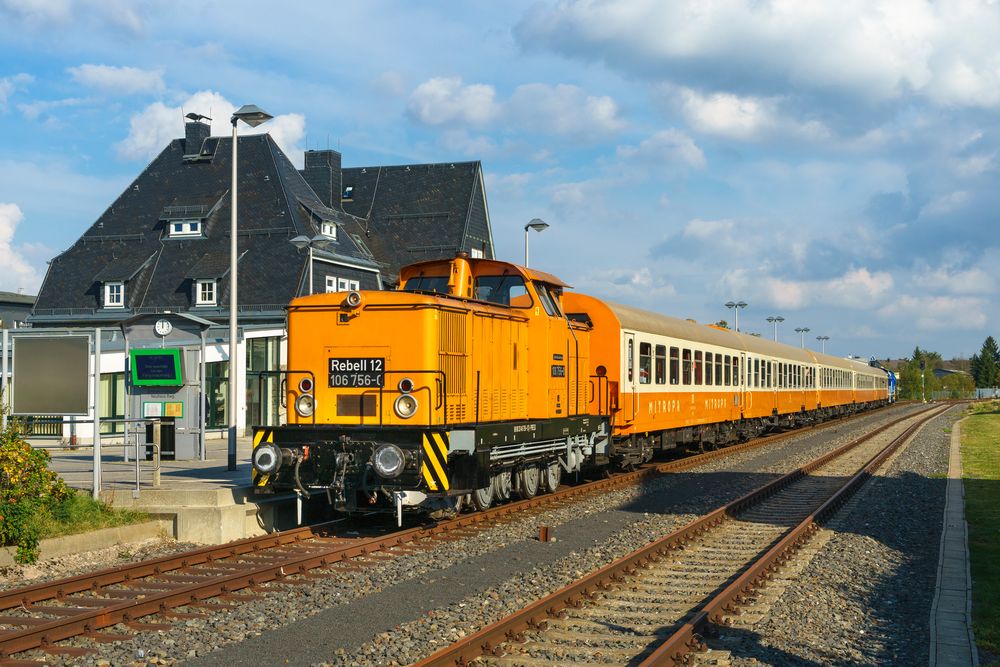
203,501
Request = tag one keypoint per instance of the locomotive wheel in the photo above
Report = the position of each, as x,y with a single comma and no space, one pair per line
551,476
528,480
503,483
483,498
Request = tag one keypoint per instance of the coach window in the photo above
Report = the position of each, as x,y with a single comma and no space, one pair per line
709,368
661,364
737,372
630,359
727,374
686,358
698,368
675,365
719,363
645,363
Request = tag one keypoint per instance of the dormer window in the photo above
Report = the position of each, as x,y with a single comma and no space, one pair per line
348,194
328,229
180,228
114,295
205,293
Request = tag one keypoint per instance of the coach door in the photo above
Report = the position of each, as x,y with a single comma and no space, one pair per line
744,379
629,380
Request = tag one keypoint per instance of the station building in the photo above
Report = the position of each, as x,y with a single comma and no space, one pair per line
163,248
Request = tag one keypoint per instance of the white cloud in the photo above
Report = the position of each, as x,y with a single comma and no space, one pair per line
945,204
637,285
856,288
563,109
118,80
152,128
35,110
974,165
446,100
9,84
52,14
954,280
17,273
666,147
878,50
559,109
744,118
937,313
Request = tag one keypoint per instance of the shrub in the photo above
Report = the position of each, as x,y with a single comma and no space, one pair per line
27,488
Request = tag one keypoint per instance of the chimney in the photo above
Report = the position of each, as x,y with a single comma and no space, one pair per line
195,133
322,173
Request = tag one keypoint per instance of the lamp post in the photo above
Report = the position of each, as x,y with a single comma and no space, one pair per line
253,116
538,225
304,241
822,340
802,331
775,320
736,305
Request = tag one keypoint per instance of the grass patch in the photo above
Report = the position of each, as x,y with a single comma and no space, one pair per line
80,513
981,466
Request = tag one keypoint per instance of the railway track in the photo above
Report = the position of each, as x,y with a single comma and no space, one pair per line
655,606
111,604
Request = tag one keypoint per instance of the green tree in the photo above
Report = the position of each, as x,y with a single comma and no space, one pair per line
986,364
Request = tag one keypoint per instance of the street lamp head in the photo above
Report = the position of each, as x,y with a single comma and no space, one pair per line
730,304
251,114
537,224
741,304
301,241
196,117
779,318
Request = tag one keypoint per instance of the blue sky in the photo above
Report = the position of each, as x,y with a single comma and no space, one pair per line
832,163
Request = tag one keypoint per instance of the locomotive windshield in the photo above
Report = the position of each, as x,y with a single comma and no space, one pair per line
427,284
506,290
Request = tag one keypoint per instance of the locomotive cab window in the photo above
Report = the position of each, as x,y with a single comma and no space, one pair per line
508,290
549,298
645,363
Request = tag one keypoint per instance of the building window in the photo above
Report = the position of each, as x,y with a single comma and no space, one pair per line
476,253
335,284
185,228
204,293
114,295
328,229
348,194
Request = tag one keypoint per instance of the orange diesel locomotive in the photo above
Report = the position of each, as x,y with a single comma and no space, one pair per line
480,379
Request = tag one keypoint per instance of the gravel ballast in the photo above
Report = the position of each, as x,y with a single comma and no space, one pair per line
397,611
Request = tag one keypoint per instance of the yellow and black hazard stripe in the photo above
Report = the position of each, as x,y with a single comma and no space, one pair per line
259,436
434,467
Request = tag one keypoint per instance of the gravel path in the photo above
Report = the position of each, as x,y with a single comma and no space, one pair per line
398,611
865,598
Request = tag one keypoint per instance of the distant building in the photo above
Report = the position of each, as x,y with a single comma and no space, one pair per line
15,308
163,245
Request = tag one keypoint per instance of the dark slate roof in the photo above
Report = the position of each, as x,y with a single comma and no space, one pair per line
15,298
410,213
129,241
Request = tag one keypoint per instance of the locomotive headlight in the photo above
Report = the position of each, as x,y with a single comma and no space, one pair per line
405,406
305,405
388,461
266,458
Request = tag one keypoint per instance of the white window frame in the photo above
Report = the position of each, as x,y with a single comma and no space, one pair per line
200,287
187,228
114,294
337,284
476,253
328,229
